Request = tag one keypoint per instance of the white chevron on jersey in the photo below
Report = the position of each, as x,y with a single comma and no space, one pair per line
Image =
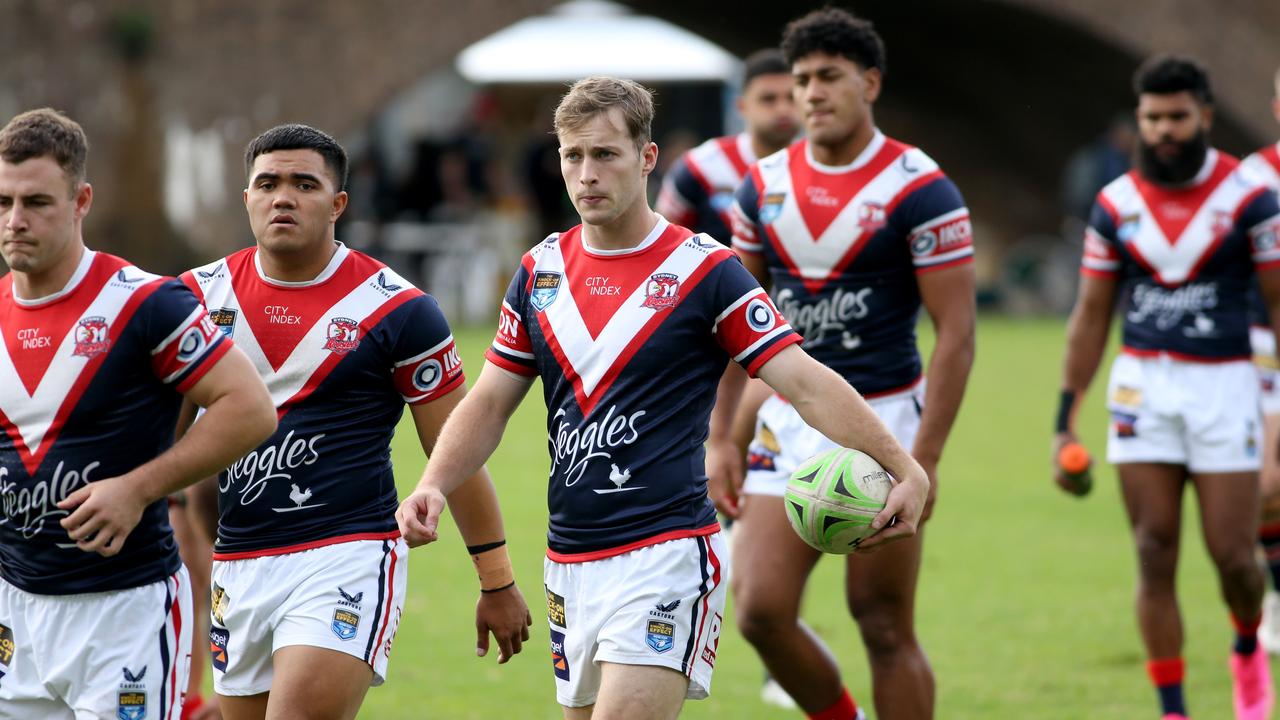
816,258
309,357
1173,261
590,359
1266,165
34,415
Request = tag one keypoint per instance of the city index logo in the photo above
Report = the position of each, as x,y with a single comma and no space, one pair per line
91,337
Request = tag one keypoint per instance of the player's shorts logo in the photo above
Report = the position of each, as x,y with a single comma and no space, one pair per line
132,696
764,450
345,624
662,292
218,640
225,319
559,663
555,609
546,285
1125,424
7,645
218,602
91,337
771,208
661,636
343,335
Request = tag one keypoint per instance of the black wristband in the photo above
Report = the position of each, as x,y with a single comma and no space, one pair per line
477,549
1066,404
500,589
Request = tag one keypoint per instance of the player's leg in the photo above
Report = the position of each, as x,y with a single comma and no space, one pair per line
197,556
1229,512
134,659
638,692
243,707
315,683
1269,532
771,565
1153,499
334,634
880,588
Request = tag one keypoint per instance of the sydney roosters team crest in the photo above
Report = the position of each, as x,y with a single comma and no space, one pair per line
91,337
662,292
871,216
343,335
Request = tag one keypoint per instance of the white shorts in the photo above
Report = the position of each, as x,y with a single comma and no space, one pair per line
346,597
1263,341
121,654
783,441
1201,415
658,605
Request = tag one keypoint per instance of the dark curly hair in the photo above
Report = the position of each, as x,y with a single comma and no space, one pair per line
836,32
1167,74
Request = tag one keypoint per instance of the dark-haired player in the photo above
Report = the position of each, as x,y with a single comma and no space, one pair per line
309,567
855,231
1177,240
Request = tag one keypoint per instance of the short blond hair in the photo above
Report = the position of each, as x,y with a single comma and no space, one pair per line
597,94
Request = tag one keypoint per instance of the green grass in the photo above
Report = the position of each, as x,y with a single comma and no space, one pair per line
1025,602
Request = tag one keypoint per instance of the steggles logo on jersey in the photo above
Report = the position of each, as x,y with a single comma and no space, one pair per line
91,337
771,208
662,292
1169,307
272,463
25,510
814,320
343,335
546,285
573,448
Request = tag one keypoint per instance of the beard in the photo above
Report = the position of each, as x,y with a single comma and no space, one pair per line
1180,168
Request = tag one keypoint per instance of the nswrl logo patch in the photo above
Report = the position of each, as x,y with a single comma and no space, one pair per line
546,285
345,624
661,636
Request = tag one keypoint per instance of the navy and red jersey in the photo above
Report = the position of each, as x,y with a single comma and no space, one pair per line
90,383
697,191
630,346
1265,166
844,246
1185,258
341,355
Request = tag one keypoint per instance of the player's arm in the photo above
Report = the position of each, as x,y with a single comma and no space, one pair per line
469,436
828,404
501,609
1087,332
238,416
948,297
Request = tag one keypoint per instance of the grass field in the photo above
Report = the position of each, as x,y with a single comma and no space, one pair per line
1025,602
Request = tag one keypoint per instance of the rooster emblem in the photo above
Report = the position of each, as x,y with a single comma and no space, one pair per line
299,496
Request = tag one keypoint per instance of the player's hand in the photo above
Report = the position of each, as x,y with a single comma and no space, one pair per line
725,475
1061,440
902,511
419,516
505,614
102,514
